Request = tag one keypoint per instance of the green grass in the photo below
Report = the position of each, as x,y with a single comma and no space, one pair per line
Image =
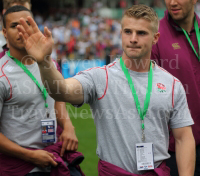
86,133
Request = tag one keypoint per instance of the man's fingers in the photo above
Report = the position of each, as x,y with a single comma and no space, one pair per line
28,29
73,145
22,32
47,32
63,148
76,146
51,159
69,144
33,24
53,163
21,29
50,154
22,37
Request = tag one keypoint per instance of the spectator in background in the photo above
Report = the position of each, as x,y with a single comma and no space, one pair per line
178,51
108,50
100,48
159,7
122,4
67,34
70,47
82,45
86,19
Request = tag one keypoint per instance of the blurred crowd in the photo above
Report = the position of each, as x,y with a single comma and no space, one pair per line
83,35
86,36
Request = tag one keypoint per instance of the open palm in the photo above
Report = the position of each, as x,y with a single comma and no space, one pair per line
37,45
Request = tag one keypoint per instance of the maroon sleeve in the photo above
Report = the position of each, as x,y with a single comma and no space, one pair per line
155,54
2,54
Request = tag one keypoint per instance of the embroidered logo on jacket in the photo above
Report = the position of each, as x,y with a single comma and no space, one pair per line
176,46
161,87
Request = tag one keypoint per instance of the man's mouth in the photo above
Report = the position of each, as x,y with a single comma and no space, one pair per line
174,11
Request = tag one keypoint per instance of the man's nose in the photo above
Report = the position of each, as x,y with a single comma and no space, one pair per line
134,38
173,2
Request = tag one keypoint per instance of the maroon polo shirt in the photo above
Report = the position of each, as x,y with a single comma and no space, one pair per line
4,51
174,53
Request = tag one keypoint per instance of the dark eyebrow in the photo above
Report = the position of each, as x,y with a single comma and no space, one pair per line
127,29
142,31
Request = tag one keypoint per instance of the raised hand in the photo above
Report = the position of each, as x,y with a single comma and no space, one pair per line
38,46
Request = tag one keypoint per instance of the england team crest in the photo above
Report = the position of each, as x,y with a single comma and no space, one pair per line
161,87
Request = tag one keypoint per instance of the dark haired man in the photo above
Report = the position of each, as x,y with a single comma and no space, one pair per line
27,116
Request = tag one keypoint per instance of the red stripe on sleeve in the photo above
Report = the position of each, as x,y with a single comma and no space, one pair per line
7,80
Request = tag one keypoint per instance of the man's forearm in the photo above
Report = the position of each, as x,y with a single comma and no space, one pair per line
62,115
52,79
65,90
12,149
185,156
68,136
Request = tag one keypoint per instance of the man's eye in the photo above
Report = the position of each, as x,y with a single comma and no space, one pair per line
14,26
141,33
127,32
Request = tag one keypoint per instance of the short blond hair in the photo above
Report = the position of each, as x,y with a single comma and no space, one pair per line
144,12
8,3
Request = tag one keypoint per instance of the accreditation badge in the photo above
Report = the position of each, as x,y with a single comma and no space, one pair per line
48,127
144,155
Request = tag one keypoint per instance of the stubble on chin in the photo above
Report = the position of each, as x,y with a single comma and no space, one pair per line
132,56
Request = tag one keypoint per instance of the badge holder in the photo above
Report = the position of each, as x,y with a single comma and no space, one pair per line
48,130
145,158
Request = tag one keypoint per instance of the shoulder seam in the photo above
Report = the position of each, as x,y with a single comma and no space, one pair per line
7,80
90,69
112,64
165,71
105,90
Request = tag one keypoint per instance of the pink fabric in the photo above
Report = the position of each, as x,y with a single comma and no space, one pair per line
10,166
59,131
57,65
3,53
107,169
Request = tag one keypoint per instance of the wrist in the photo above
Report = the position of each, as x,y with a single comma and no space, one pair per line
45,62
67,126
28,155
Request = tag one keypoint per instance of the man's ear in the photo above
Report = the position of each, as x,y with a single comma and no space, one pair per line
5,33
156,38
3,11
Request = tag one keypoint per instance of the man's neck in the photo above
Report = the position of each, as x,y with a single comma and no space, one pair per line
187,23
22,56
137,65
